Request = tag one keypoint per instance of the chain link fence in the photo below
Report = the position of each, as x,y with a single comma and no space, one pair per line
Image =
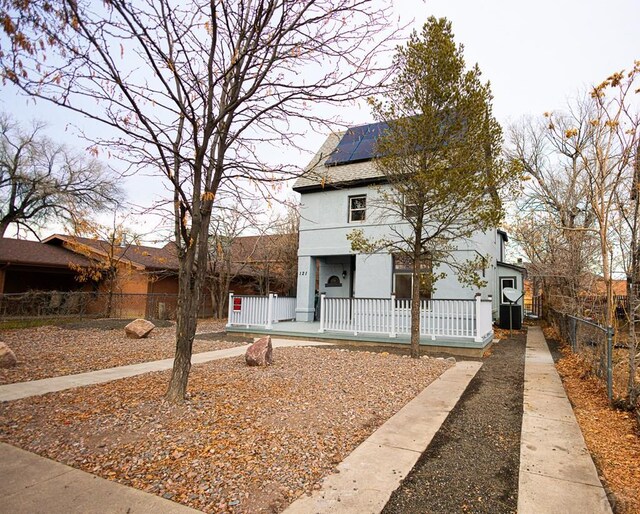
81,304
602,349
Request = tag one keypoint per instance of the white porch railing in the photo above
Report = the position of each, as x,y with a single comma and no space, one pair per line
469,319
260,310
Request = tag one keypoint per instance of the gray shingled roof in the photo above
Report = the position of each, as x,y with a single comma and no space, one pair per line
317,174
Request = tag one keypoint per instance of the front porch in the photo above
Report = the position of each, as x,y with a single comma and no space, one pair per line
462,327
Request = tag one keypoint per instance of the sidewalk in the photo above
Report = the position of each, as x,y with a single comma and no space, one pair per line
556,470
32,484
20,390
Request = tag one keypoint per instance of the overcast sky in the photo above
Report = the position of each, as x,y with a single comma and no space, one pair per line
537,55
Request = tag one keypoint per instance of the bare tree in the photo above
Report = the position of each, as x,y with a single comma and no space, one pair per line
195,90
274,264
226,230
584,167
286,249
106,248
42,182
609,159
554,224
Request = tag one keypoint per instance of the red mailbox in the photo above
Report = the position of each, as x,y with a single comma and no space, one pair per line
237,304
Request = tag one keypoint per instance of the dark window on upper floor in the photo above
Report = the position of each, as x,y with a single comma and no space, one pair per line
357,208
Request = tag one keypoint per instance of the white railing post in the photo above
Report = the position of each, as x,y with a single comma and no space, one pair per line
269,312
442,318
478,336
321,313
275,313
351,309
392,308
230,309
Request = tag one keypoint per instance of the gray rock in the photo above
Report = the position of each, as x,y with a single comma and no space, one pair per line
139,328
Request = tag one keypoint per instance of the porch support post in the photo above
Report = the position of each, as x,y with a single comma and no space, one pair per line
306,292
392,309
322,296
269,312
230,310
480,322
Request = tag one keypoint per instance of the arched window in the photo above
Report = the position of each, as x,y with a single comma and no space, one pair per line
334,281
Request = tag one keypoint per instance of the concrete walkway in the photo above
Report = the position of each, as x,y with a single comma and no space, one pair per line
20,390
32,484
556,470
369,475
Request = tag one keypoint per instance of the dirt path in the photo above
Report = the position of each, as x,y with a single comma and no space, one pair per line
472,463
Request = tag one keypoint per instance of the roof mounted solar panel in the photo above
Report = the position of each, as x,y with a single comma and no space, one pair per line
366,150
357,144
343,152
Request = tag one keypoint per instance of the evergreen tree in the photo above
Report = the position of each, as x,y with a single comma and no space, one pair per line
441,158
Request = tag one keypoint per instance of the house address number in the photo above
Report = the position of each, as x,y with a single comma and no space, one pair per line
302,273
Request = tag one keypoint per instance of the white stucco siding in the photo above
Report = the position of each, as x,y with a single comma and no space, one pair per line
324,227
339,266
373,277
324,221
485,244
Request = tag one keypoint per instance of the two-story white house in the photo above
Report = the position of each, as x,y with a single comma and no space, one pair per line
341,192
342,294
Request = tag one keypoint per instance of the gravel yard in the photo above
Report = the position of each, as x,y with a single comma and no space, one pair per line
247,440
51,351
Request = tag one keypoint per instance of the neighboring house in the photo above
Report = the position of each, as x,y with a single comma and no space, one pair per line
341,192
30,265
146,282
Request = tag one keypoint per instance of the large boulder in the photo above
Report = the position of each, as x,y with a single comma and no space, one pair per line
260,353
139,328
7,357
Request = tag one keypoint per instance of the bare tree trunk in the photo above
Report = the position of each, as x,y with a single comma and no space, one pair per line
415,293
415,312
3,227
110,294
192,273
633,288
185,333
606,272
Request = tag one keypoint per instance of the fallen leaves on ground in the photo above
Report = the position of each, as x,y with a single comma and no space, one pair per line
611,435
51,351
247,440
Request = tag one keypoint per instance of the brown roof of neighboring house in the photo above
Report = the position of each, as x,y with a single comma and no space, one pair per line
599,287
247,249
146,257
34,253
257,248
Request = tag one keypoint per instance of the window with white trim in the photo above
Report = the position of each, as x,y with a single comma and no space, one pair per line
403,277
409,210
357,208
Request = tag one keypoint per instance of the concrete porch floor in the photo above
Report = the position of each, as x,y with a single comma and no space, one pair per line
308,330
